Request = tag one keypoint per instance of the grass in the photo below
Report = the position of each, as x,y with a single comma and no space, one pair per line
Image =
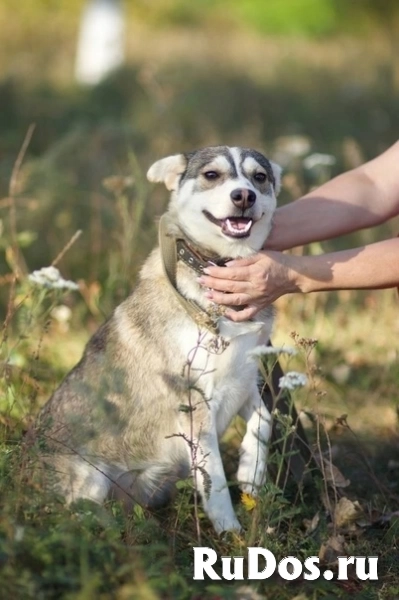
52,551
83,170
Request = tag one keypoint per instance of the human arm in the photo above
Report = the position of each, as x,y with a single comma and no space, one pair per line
363,197
260,280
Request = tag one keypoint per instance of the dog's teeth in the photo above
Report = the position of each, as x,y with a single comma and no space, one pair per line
230,226
235,226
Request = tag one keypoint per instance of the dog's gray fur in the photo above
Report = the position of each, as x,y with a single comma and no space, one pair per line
153,392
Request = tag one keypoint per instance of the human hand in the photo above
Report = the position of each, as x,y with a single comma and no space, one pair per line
253,282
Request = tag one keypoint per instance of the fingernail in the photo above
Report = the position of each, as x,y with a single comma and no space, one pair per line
208,295
206,271
200,280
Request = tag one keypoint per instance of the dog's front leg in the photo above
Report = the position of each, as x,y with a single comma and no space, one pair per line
211,483
254,448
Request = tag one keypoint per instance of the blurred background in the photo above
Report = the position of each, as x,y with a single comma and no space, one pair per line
110,86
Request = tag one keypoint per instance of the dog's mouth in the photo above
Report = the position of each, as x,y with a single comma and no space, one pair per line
235,227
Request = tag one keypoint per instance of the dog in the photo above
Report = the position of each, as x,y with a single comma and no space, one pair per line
162,378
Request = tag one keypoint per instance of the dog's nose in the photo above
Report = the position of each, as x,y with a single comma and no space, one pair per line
243,198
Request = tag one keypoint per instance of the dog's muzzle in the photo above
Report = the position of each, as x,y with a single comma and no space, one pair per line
235,227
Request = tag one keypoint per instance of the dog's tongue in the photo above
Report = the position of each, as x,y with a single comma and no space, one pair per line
239,225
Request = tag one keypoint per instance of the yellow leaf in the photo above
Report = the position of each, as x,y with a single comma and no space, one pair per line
347,512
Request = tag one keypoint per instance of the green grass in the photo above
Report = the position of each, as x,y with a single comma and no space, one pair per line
193,94
85,551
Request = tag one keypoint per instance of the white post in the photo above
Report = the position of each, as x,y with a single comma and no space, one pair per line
100,47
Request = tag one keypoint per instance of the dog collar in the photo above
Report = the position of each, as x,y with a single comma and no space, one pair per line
194,259
168,247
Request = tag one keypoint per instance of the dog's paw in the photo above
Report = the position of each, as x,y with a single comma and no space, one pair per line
248,487
224,526
233,537
249,482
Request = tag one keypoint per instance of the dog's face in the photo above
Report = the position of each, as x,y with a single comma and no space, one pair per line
223,198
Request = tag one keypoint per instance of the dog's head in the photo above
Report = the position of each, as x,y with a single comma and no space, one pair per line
223,198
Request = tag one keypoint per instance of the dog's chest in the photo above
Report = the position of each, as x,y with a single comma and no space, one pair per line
222,365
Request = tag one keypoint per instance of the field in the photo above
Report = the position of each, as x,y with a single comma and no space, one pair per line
73,193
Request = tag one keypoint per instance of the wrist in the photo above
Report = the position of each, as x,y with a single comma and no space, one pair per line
301,274
294,279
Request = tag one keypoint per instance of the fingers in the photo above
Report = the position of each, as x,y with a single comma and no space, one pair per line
228,299
242,282
230,273
224,285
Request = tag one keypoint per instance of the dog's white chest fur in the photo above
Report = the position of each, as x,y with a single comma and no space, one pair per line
222,366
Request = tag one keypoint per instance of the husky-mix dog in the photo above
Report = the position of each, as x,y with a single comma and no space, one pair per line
157,386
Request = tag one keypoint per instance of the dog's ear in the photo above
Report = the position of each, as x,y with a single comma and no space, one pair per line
168,170
277,177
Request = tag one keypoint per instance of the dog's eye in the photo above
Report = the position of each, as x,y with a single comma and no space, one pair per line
211,175
260,177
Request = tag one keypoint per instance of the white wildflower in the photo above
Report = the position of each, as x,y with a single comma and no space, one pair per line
61,313
317,159
292,380
19,533
293,145
50,277
271,350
